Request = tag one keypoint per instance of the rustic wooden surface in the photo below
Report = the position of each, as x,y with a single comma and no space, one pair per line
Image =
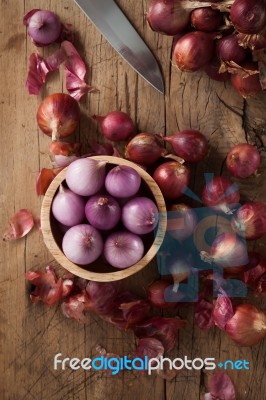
30,335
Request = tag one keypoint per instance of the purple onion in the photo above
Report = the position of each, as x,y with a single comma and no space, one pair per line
82,244
103,212
68,208
123,249
44,27
140,215
122,181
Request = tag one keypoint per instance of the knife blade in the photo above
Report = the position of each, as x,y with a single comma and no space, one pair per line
119,32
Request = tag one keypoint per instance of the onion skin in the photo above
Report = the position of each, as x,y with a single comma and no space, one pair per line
248,325
193,50
206,19
167,16
250,220
249,86
145,149
189,144
243,160
172,178
212,70
248,16
58,115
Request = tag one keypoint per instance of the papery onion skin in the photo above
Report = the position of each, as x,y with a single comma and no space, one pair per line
68,208
181,221
122,249
206,19
102,211
145,149
167,16
103,295
243,160
19,225
122,181
247,86
140,215
86,176
248,325
189,144
149,347
193,50
221,194
250,220
58,115
228,49
65,149
172,178
156,293
116,125
248,16
82,244
44,27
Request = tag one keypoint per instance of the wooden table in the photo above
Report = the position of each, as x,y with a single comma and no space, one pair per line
30,335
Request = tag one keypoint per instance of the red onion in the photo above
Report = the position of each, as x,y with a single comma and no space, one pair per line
220,387
212,69
64,153
116,125
68,207
82,244
193,50
248,325
167,16
250,220
247,85
163,329
253,42
86,176
243,160
227,250
248,16
172,178
221,194
203,314
253,275
58,115
223,310
181,221
140,215
157,293
228,49
189,144
180,268
122,181
44,27
123,249
103,212
206,19
145,149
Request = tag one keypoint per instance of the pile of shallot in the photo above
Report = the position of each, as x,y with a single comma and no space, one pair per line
227,39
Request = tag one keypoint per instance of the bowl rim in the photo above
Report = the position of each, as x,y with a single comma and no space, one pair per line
120,273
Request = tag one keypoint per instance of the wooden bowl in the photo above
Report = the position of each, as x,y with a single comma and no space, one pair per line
99,270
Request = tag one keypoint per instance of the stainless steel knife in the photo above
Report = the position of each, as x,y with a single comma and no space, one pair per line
116,28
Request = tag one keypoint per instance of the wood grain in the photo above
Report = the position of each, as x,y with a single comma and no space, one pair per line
30,335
